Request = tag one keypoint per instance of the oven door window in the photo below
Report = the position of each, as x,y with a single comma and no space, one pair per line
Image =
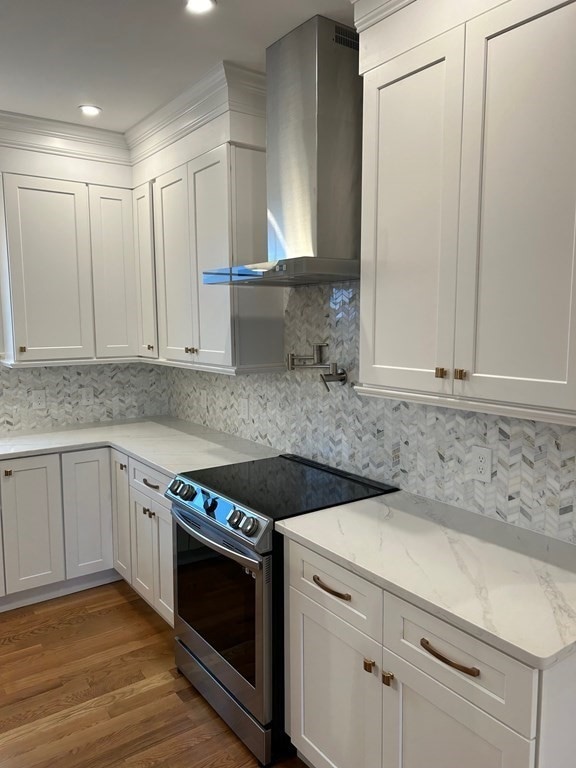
217,598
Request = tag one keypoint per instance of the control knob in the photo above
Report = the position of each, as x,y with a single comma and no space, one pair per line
235,518
187,493
210,505
250,526
175,486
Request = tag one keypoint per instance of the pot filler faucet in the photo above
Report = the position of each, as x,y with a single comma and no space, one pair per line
334,373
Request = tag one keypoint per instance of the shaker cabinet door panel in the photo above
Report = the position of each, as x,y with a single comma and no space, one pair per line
412,132
48,232
176,275
210,226
335,701
143,546
113,270
164,578
87,511
516,324
122,559
425,724
32,522
145,271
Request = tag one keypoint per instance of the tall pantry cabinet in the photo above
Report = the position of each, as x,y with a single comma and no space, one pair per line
468,260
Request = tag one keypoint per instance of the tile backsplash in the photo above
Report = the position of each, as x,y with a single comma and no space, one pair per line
420,448
116,391
423,449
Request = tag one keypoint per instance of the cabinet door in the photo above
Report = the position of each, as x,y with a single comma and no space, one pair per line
425,724
122,560
113,271
176,275
516,318
48,232
164,561
145,273
32,522
210,227
87,511
143,545
335,704
412,132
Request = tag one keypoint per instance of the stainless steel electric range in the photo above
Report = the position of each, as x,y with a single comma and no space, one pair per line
228,582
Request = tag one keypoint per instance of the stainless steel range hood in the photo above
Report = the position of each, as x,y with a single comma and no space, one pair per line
313,156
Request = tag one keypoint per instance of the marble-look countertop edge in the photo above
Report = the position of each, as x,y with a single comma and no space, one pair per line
515,651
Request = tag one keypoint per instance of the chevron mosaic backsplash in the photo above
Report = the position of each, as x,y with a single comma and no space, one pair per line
423,449
117,391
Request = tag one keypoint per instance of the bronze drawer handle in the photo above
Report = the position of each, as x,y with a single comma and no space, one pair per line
149,485
342,595
472,671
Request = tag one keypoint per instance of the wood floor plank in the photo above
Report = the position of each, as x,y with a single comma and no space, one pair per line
88,681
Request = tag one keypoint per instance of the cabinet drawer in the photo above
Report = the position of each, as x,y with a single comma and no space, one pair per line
360,603
495,682
149,481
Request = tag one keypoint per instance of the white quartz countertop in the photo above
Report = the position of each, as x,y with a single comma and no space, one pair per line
512,588
169,445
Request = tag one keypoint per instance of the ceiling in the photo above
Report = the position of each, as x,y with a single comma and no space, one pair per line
131,56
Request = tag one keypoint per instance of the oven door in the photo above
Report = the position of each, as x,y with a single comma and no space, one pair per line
223,610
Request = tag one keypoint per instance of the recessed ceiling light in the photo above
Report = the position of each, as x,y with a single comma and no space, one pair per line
89,110
200,6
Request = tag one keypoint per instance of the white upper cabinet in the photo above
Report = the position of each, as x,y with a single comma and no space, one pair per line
210,233
113,267
469,269
175,272
516,311
412,124
212,213
48,234
145,271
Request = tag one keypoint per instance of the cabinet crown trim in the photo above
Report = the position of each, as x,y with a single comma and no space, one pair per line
368,12
63,139
226,87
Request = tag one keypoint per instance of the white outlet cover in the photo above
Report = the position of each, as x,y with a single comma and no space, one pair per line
38,399
244,408
481,464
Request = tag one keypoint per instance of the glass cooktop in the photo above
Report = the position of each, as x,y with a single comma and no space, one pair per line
286,485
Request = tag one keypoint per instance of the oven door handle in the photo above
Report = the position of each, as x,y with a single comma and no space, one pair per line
245,560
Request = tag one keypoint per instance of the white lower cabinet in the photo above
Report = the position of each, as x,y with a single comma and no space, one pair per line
87,511
32,522
354,703
427,725
122,559
335,692
151,553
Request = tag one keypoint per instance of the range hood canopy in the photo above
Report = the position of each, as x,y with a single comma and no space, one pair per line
313,160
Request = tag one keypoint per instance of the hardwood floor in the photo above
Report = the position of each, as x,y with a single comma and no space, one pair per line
88,681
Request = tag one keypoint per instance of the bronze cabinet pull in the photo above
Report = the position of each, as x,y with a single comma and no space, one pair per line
148,484
369,665
145,511
387,678
150,347
342,595
151,514
460,374
122,467
7,473
472,671
440,373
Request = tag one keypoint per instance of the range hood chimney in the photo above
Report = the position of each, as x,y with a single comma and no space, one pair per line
313,157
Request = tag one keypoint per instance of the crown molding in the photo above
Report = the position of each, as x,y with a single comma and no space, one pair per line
370,12
225,88
63,139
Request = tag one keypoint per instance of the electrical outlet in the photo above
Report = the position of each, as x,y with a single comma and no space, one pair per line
38,399
481,459
244,409
203,400
87,396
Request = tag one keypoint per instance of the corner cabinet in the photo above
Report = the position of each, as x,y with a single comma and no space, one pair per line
145,271
211,213
469,203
